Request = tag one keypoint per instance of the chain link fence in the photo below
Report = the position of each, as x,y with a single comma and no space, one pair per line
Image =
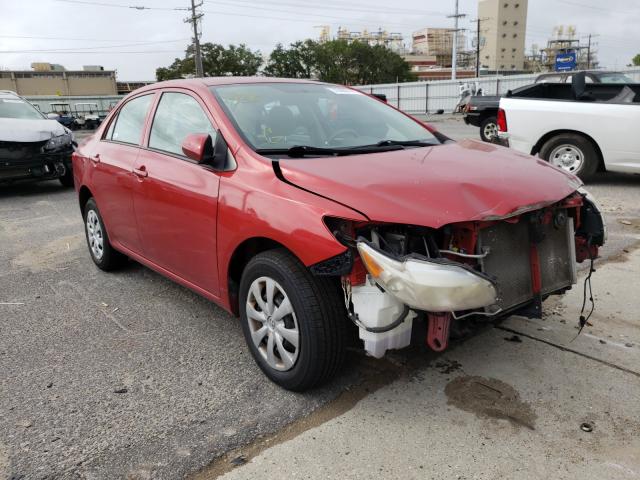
429,97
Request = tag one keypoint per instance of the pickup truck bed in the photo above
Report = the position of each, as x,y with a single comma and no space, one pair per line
579,127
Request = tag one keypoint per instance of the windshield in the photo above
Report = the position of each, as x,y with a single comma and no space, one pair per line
18,108
272,116
614,78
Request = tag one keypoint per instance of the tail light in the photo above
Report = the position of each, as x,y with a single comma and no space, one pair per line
502,120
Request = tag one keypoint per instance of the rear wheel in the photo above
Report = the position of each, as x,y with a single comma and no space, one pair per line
102,253
489,129
573,153
294,323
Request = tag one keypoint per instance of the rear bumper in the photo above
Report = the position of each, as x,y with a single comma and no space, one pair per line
43,166
472,118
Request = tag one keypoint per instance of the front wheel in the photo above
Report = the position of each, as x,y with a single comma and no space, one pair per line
571,152
489,129
67,179
294,323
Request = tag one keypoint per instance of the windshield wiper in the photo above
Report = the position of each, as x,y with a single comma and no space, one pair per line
406,143
302,150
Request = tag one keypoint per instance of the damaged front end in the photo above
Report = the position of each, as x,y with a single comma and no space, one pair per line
35,160
395,275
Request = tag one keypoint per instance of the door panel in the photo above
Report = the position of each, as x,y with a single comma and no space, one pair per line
176,205
175,199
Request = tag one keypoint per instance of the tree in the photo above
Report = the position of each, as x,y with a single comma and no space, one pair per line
338,61
298,61
636,60
358,63
216,61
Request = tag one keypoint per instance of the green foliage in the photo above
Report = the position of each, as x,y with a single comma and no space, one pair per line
636,60
297,61
338,61
216,61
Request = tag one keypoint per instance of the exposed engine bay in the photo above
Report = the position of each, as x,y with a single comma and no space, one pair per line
477,270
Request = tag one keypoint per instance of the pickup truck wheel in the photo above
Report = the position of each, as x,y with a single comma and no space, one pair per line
489,129
102,253
294,323
571,152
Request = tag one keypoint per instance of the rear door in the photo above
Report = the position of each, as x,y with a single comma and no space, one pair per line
176,199
112,164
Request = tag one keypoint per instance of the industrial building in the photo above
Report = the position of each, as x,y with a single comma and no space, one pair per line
393,41
503,29
52,79
437,43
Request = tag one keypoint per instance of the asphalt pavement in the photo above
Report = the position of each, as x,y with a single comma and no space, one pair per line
126,374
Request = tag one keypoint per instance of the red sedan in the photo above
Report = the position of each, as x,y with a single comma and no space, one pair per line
303,207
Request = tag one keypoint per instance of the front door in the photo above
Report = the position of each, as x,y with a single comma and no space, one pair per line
176,199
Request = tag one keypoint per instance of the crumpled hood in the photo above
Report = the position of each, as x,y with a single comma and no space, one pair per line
434,186
19,130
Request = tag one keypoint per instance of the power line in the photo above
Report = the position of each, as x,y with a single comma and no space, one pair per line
60,50
119,5
363,9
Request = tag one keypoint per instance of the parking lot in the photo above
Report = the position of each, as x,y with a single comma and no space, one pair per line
127,374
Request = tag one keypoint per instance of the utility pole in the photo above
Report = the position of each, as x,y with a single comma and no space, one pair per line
193,20
589,53
478,48
454,49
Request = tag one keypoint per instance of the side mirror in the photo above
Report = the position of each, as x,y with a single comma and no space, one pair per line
199,147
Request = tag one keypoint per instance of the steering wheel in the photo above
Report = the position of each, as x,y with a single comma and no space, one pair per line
342,131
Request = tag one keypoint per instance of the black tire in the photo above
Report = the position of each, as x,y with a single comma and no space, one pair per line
67,179
487,124
110,258
583,145
320,314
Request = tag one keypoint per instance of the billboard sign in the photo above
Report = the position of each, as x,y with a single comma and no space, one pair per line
566,61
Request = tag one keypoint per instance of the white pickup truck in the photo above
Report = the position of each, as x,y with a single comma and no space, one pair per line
579,127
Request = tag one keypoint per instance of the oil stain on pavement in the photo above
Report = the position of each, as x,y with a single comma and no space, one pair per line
489,397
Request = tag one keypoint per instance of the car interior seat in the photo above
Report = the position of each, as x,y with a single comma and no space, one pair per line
578,87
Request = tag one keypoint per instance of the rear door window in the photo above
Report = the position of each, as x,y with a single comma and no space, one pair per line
177,116
127,128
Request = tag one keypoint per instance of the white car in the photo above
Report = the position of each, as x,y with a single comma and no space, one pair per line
579,127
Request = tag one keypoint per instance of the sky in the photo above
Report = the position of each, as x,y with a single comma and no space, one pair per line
135,42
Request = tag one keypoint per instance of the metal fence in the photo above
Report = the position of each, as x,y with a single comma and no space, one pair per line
429,97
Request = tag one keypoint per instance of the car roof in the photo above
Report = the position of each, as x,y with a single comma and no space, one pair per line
196,83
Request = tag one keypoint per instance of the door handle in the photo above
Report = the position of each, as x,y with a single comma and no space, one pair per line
141,172
95,159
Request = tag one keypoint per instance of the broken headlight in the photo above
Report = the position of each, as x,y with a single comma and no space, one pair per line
432,285
596,210
58,142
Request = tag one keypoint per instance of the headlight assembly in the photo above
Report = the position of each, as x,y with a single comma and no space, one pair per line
428,285
57,142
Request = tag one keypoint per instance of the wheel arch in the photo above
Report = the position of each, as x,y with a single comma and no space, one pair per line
240,257
84,194
549,135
